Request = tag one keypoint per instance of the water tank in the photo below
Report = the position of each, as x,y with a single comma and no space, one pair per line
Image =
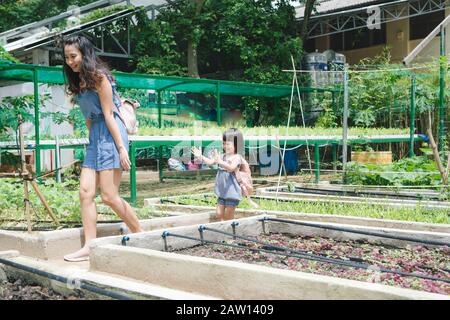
336,62
316,61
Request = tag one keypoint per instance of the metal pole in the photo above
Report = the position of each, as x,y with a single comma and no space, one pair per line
345,125
218,103
412,116
334,154
132,151
333,103
158,102
317,162
57,159
160,164
36,122
441,91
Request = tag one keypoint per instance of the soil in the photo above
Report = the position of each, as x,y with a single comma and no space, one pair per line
412,259
16,290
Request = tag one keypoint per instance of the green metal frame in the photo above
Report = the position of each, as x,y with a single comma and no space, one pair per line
54,75
161,141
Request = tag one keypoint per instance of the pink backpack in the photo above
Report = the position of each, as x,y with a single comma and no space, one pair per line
244,178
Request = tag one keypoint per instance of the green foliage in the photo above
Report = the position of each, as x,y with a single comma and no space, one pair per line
103,12
418,214
234,39
373,94
61,197
416,171
4,55
328,118
11,107
196,129
18,13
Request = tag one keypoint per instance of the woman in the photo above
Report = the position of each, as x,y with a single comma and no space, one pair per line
93,88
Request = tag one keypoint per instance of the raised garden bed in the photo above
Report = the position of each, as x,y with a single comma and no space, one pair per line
314,206
220,259
418,259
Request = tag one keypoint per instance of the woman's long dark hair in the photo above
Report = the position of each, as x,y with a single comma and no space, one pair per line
92,69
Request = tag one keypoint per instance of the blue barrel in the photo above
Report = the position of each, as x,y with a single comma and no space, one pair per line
291,161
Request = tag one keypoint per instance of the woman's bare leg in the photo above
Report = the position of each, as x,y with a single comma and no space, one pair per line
229,212
88,187
109,187
220,211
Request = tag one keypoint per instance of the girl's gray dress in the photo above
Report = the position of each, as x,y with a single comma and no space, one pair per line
227,186
102,152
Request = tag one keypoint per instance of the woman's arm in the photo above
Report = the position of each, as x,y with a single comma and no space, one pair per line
104,90
88,124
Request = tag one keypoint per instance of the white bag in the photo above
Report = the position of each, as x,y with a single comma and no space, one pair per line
127,113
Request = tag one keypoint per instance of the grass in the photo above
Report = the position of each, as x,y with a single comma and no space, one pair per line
417,214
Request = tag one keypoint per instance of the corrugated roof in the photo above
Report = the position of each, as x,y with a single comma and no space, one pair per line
334,5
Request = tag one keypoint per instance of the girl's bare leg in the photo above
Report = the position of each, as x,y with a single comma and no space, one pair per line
220,212
229,212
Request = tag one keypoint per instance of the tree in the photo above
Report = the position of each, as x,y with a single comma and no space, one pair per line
233,40
309,7
18,13
193,38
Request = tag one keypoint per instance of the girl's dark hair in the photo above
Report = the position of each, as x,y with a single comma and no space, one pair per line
236,136
92,69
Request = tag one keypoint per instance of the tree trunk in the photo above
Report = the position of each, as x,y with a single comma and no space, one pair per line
192,59
309,6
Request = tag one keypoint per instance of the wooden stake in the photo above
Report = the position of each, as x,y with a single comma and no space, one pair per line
44,202
437,158
282,159
24,173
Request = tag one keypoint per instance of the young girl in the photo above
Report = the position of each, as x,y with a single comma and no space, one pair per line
92,86
227,187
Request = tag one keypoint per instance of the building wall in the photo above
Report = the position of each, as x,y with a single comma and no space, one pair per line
397,38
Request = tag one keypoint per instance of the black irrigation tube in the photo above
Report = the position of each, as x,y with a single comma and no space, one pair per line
82,285
303,252
368,233
300,255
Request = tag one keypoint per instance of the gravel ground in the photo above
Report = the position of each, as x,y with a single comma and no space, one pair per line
412,259
16,290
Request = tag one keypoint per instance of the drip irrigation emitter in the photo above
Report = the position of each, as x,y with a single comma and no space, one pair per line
125,239
200,230
263,221
234,224
164,235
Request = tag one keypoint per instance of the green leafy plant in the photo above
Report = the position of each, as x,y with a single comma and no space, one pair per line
416,171
418,214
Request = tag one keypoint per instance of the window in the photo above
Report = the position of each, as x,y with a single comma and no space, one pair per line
421,26
310,45
358,39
